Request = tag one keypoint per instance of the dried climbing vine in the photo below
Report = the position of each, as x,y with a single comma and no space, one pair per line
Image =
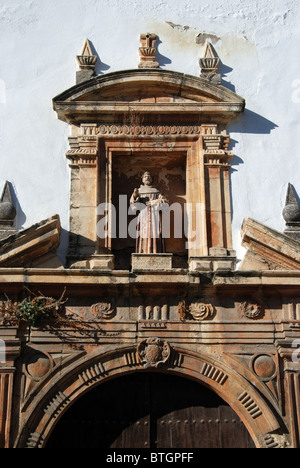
32,310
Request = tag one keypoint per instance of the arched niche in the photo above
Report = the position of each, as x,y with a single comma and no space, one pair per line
174,124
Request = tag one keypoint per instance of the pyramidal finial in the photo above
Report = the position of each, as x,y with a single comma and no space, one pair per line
87,50
210,51
7,209
210,64
291,198
291,214
87,62
6,194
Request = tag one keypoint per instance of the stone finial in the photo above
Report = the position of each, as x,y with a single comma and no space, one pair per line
148,51
291,214
87,62
8,212
210,64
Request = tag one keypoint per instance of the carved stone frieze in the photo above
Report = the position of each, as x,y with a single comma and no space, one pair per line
154,313
154,352
99,311
153,130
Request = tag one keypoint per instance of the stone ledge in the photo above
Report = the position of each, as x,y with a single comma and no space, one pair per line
212,263
151,262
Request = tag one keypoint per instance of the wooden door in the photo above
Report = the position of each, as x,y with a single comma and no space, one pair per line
150,410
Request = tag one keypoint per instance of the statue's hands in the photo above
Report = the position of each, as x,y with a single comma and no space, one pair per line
136,193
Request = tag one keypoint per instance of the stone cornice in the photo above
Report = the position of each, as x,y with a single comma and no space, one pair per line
149,92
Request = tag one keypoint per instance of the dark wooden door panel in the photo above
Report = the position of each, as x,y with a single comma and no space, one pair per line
150,410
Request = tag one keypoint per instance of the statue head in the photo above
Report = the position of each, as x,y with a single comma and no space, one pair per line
147,179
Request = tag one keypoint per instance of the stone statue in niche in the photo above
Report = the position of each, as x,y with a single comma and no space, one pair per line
150,203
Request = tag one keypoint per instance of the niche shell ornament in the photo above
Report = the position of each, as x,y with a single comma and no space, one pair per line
154,352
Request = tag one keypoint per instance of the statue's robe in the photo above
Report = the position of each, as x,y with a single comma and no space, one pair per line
149,236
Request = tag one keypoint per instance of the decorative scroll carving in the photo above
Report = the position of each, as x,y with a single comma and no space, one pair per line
154,130
154,352
197,311
102,311
201,311
149,130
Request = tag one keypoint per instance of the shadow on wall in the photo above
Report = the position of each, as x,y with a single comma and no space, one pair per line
250,122
100,67
161,59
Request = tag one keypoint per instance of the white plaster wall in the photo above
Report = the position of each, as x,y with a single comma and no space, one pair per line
257,41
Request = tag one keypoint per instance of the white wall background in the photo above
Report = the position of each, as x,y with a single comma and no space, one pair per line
257,42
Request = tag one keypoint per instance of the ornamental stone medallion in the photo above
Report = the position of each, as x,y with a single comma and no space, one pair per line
102,311
201,311
154,352
251,309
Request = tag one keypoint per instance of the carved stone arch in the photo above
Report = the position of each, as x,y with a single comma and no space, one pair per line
70,383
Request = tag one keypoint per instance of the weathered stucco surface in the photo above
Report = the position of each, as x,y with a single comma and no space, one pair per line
257,43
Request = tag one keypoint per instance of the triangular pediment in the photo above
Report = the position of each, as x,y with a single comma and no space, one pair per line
268,249
33,247
157,91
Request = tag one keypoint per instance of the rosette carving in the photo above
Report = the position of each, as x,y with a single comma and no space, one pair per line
102,311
